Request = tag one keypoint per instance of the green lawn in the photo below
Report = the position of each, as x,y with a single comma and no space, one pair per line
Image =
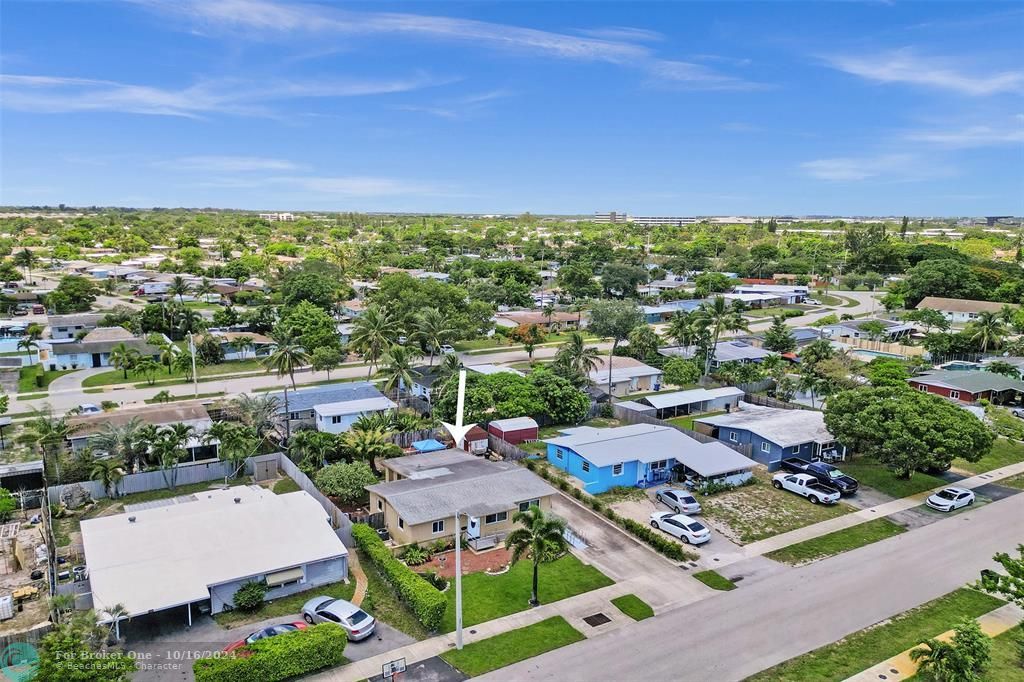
876,476
27,379
187,396
838,542
1005,666
382,602
633,606
715,580
286,485
687,421
865,648
622,493
1014,481
496,342
1003,453
486,597
775,311
116,376
513,646
285,606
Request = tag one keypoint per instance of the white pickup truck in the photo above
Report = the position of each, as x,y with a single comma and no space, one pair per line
806,485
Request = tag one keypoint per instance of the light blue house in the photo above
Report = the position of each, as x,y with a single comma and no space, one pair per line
641,455
772,434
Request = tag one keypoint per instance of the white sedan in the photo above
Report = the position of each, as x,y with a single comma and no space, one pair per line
690,531
951,498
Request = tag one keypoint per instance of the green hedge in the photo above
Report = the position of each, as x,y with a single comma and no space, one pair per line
278,658
426,602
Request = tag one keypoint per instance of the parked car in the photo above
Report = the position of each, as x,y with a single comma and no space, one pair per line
813,301
89,408
358,623
951,498
272,631
806,486
679,501
690,531
446,349
1018,412
825,473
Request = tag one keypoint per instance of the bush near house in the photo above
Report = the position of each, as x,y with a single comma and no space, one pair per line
278,658
427,604
249,596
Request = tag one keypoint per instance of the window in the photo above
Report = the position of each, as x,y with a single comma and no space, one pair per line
523,506
795,450
733,437
923,388
401,522
660,464
496,518
559,454
380,505
954,394
586,465
336,419
437,527
294,415
766,446
617,470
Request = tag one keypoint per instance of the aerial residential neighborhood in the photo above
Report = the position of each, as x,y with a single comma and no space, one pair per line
511,341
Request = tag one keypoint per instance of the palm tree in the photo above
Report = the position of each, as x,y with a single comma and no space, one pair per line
235,442
988,329
549,312
433,330
643,342
683,328
147,367
49,434
123,358
109,473
368,445
169,449
26,259
204,289
542,536
719,316
397,369
122,442
373,333
190,321
178,287
168,349
240,345
288,356
28,344
577,357
258,412
183,363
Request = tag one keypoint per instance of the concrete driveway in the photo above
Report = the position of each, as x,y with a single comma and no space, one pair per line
165,649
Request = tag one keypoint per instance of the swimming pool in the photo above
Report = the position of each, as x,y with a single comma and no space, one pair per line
878,354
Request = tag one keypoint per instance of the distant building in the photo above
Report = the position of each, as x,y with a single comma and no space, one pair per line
69,326
94,349
198,446
616,217
278,217
854,329
725,351
299,406
960,310
968,387
628,375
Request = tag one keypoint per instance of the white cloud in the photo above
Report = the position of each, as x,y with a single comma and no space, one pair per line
904,66
628,33
971,136
669,73
459,107
229,164
890,167
55,94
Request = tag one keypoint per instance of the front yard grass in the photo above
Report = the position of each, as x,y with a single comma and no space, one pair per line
284,606
633,606
687,421
867,647
1005,658
27,378
875,475
837,542
513,646
715,580
1003,453
621,493
230,367
382,602
486,597
755,512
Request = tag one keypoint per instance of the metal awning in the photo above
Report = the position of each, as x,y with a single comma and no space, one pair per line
287,576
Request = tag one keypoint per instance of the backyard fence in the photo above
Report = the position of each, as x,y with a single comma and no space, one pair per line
506,449
634,417
767,401
406,439
186,474
339,519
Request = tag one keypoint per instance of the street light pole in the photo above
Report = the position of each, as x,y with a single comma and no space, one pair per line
195,379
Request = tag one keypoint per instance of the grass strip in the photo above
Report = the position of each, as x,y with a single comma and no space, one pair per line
837,542
875,475
715,580
633,606
382,602
513,646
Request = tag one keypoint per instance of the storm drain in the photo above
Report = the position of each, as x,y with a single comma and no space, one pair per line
597,619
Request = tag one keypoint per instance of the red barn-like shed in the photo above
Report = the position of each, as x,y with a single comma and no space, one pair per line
514,431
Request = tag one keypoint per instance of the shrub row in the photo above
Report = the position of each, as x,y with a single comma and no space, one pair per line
278,658
641,532
427,604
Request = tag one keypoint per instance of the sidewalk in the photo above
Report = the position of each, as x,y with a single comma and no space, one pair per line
773,543
902,667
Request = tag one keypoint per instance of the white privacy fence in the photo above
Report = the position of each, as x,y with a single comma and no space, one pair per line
186,474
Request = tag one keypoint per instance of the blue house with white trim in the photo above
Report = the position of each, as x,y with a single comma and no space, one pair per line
773,434
641,455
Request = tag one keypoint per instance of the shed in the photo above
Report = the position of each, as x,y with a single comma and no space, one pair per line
428,445
475,441
516,430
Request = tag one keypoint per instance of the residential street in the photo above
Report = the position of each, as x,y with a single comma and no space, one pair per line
756,627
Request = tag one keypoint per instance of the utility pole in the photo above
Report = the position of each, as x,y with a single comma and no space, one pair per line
195,379
458,581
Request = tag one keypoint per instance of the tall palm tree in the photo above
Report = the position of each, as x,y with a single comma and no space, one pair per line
433,330
178,287
718,316
258,412
168,449
549,312
27,259
240,345
123,358
987,329
288,355
368,445
373,333
49,434
189,321
577,357
168,349
28,344
204,289
109,473
123,442
235,441
541,536
682,328
396,366
147,367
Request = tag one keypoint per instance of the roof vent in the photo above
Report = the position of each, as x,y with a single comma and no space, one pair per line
131,519
238,500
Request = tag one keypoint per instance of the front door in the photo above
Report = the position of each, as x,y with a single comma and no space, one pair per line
473,529
97,360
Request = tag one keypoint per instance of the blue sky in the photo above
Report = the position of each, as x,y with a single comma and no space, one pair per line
568,107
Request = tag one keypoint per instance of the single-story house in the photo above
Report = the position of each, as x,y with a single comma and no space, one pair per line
424,377
960,311
787,293
515,430
338,417
558,321
487,368
475,441
88,426
773,434
422,493
753,300
725,351
298,405
802,335
639,455
628,375
69,326
694,401
855,329
654,314
197,550
256,345
968,387
93,350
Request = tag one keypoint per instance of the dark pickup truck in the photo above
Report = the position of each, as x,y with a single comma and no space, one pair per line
825,473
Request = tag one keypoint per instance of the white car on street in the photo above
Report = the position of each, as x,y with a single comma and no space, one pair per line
446,349
690,531
951,498
679,501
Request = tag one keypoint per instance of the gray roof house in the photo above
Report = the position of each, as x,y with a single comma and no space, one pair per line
694,401
725,351
300,404
855,329
67,326
93,350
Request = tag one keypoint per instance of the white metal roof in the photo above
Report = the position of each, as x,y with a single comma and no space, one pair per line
172,554
636,442
785,428
487,368
714,459
515,423
696,395
354,406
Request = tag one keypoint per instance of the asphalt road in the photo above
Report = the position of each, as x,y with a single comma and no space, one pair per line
739,633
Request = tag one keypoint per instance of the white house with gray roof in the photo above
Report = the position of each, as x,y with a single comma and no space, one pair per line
300,406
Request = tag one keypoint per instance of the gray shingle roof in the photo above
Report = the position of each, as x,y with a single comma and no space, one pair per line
970,381
307,398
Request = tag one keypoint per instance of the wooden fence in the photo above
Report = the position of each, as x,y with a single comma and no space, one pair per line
405,440
767,401
507,451
633,417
